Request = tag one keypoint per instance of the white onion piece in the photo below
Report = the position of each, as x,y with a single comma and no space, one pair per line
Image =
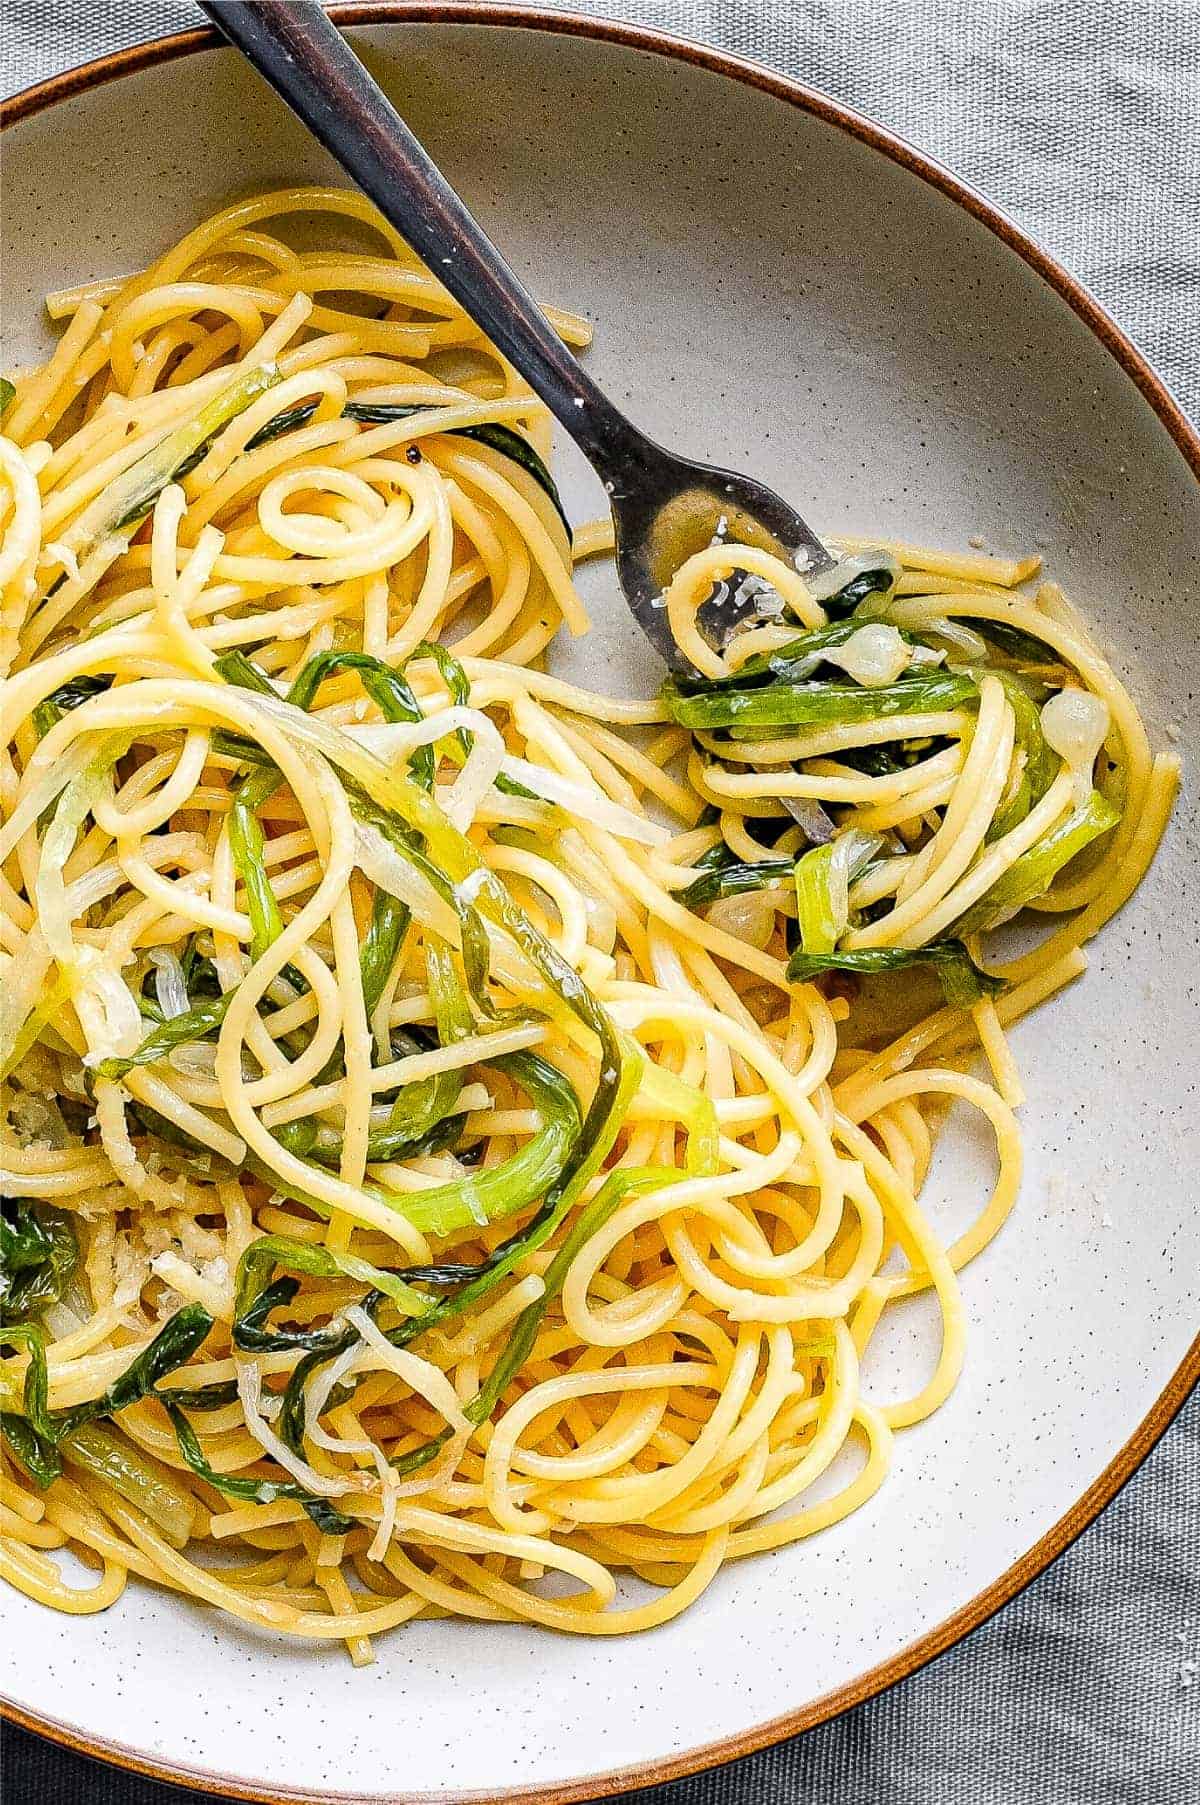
390,740
86,891
316,1398
477,776
169,986
317,1394
58,843
964,639
873,656
43,791
585,804
61,1320
393,873
749,918
828,583
1075,723
429,1382
249,1384
22,981
109,1016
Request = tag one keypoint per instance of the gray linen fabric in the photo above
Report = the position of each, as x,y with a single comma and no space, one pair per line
1080,118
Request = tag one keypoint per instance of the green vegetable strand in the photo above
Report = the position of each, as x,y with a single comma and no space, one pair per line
247,843
822,888
177,1031
381,945
36,1391
815,704
38,1255
179,1338
249,1490
133,1474
66,697
1032,874
821,921
962,980
734,880
459,686
130,496
386,688
411,815
497,1192
1039,765
790,663
41,1459
260,1260
37,1443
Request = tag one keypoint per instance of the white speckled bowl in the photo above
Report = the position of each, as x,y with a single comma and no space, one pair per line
778,286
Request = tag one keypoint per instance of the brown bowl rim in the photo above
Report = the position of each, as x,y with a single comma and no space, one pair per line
1125,1463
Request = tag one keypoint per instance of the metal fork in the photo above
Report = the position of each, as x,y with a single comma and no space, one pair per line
664,507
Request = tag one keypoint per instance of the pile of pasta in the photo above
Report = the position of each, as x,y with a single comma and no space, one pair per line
445,1167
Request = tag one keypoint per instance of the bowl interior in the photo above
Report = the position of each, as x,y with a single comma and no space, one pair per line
774,294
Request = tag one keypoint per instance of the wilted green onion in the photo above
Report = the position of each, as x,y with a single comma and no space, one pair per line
823,888
131,495
735,879
177,1031
819,704
962,980
1032,874
135,1475
248,847
381,945
1039,763
260,1260
38,1254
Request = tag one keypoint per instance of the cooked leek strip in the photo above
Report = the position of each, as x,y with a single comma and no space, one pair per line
135,1476
1032,874
179,1031
823,888
129,498
39,1251
962,980
734,879
784,704
248,846
263,1257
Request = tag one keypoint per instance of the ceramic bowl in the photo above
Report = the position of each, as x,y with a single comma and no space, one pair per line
779,286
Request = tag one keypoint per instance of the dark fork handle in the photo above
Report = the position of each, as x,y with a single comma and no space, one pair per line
310,65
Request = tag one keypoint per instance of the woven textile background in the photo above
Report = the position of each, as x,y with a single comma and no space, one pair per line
1082,119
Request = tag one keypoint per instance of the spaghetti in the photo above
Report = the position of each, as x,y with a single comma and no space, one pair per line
460,1134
